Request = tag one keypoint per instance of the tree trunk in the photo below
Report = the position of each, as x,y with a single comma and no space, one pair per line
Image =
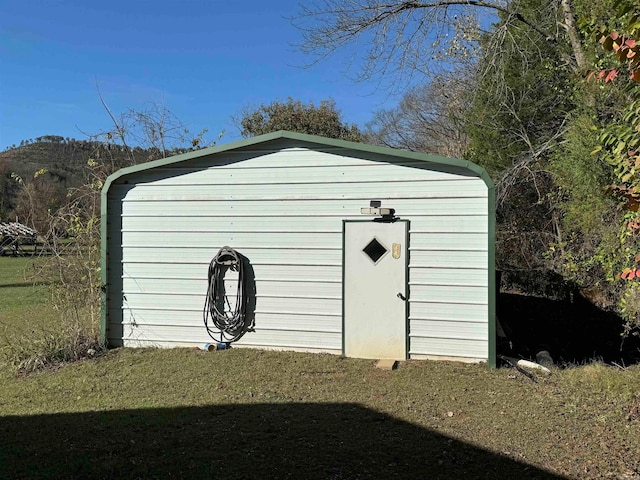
574,36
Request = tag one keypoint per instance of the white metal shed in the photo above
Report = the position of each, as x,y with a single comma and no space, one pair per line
327,278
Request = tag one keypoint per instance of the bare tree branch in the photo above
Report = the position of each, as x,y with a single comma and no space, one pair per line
402,39
119,127
429,118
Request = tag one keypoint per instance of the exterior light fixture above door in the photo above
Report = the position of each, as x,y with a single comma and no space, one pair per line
375,208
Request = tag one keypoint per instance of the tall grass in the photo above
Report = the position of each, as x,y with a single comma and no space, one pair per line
42,348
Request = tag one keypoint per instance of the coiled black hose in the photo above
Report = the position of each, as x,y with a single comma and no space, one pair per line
229,323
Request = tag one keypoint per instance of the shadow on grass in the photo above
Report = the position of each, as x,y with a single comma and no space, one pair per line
301,441
27,284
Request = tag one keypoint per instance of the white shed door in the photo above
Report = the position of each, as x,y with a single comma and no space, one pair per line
375,289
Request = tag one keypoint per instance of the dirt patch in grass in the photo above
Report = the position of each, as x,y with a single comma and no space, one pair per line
253,414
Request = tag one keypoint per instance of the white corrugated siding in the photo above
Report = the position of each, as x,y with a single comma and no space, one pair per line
283,210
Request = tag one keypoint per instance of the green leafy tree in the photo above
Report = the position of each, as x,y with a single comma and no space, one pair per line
293,115
523,90
619,147
594,167
516,116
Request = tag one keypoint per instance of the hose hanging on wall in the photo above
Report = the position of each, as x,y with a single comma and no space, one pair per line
232,322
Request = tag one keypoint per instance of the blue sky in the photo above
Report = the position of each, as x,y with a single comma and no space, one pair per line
204,60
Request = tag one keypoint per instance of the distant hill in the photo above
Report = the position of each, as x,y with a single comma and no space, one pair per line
65,161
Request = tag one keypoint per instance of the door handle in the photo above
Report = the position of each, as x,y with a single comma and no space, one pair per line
401,297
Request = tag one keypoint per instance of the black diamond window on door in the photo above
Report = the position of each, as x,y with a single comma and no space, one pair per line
375,250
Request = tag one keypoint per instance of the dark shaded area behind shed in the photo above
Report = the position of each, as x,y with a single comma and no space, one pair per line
554,315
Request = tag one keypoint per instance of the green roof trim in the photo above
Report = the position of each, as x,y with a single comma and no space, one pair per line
323,142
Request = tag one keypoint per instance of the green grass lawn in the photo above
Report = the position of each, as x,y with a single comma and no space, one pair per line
242,414
24,303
